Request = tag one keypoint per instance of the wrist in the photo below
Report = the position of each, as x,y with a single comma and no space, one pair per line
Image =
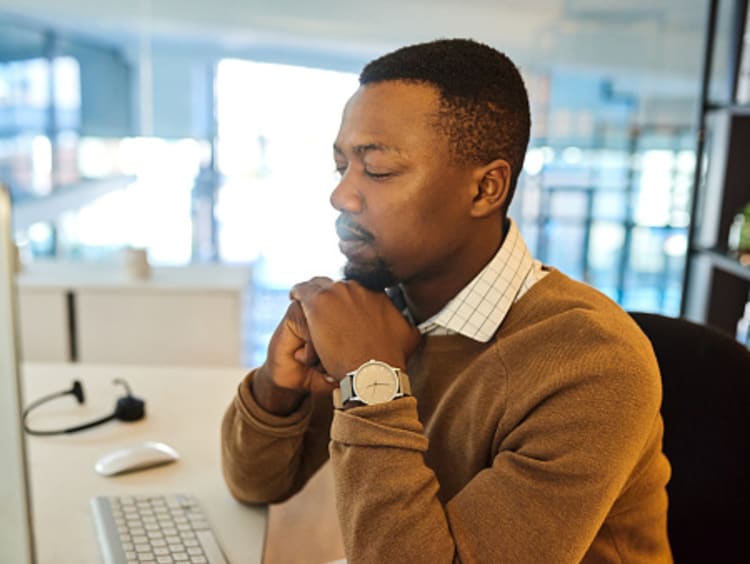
274,398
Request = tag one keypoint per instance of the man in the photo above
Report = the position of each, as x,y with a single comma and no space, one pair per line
512,414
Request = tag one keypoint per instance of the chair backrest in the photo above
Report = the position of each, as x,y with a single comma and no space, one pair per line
706,411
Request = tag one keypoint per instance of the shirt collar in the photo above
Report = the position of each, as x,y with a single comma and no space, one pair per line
480,307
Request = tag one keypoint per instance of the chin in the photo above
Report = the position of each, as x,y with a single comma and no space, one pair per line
376,277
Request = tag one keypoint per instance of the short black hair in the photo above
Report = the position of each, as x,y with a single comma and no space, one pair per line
484,106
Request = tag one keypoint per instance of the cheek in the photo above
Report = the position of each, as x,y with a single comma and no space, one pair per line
419,215
421,228
444,203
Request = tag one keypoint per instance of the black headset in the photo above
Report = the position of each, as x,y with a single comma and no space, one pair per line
128,408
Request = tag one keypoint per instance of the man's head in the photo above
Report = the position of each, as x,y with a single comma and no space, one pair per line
484,107
429,151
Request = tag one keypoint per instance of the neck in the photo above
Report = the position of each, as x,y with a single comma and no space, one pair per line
427,295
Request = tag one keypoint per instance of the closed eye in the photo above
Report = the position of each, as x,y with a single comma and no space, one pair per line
378,175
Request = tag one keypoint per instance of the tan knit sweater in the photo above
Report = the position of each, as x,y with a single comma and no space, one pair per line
542,445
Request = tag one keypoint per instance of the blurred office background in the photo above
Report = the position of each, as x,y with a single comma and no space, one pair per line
201,131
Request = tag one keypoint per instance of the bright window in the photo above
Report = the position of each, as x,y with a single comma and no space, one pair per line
276,127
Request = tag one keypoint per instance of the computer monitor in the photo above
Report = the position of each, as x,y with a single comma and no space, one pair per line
16,537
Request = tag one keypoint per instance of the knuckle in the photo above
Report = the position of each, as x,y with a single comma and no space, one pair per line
324,297
321,280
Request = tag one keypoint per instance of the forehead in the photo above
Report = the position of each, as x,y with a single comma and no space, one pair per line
395,114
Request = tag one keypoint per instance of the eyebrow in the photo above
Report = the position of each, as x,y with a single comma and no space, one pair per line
367,148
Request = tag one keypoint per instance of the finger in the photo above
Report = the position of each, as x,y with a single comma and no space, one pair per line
291,333
320,382
322,281
304,290
306,355
297,323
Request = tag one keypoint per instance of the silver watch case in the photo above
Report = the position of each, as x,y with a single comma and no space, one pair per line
373,383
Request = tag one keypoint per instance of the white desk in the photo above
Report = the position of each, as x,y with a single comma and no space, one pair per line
189,315
184,407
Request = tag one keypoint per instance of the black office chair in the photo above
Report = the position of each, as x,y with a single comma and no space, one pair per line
706,411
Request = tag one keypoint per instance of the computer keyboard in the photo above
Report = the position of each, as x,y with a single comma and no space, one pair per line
160,529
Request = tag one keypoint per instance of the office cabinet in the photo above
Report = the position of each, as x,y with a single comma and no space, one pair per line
190,316
43,324
179,326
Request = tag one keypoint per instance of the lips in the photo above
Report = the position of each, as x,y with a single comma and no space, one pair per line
347,230
353,240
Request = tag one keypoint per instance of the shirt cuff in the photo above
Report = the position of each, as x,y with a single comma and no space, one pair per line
274,425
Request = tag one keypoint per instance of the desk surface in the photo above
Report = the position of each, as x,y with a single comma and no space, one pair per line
184,407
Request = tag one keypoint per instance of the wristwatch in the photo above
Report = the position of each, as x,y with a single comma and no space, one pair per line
372,383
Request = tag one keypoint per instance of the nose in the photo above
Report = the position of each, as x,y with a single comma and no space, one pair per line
345,196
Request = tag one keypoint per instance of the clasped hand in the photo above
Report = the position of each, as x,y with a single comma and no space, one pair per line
330,329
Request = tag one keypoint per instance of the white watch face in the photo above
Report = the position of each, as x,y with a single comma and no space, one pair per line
376,383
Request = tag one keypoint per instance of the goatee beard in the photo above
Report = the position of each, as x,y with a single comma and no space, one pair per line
375,276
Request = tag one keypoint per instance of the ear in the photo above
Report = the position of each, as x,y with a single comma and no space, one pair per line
491,188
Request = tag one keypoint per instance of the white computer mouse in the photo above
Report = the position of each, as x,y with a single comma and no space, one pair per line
136,457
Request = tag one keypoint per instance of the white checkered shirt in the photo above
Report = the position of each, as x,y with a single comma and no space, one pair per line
478,310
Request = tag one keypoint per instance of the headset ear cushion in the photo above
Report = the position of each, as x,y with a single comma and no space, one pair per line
130,408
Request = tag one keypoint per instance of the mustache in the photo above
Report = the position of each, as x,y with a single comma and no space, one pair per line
348,230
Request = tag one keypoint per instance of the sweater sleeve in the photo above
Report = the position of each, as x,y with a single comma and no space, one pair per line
386,497
267,458
550,484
